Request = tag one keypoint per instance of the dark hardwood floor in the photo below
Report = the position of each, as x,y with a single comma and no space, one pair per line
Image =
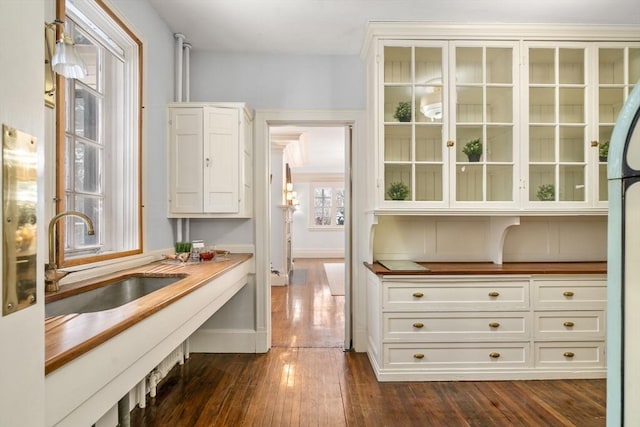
306,379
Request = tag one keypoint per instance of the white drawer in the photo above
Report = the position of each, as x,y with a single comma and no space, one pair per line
456,356
570,325
587,294
471,295
574,355
456,327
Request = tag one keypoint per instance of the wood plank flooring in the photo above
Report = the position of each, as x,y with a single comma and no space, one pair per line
306,379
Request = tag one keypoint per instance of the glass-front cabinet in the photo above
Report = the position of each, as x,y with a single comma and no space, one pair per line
507,125
449,123
557,123
618,71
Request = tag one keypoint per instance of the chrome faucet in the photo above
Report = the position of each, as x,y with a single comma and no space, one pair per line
51,273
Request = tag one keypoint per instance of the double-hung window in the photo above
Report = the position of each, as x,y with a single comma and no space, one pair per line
98,138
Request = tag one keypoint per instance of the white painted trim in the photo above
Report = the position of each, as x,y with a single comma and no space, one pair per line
318,177
426,30
223,341
318,253
264,119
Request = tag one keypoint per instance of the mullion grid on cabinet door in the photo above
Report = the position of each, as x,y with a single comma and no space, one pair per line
492,177
397,83
562,176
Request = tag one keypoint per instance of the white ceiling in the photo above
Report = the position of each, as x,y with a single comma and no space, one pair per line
338,26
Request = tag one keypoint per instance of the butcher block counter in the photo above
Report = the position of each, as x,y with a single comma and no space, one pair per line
454,268
72,335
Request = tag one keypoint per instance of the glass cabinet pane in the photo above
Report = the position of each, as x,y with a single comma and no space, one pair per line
542,144
469,182
469,105
542,66
397,64
499,105
571,66
470,147
397,178
542,183
542,105
634,65
429,143
469,65
572,144
398,106
397,145
611,100
499,182
499,65
499,144
572,179
428,182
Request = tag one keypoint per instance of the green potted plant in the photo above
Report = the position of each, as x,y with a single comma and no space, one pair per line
603,151
403,111
473,150
546,193
397,191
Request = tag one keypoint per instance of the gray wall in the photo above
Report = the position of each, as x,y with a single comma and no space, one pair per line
279,81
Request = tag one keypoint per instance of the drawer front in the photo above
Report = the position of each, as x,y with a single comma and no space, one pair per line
570,294
456,327
574,355
456,356
570,325
476,296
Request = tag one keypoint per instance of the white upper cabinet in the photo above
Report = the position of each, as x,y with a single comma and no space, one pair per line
210,152
511,122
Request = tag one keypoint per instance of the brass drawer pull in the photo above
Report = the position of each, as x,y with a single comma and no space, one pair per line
494,325
494,355
418,294
418,356
568,293
568,324
418,325
494,294
450,143
568,354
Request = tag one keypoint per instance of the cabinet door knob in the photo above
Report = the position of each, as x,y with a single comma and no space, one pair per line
494,355
494,325
568,324
418,325
418,294
450,143
418,356
594,143
568,293
207,161
494,294
568,354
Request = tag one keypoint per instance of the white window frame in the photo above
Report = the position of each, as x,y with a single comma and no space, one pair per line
119,228
335,187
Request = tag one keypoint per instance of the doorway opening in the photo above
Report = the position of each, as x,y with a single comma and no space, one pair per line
308,240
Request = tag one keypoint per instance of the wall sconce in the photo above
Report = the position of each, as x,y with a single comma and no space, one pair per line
62,58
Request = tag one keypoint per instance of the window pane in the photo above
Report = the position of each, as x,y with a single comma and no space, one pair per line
89,53
86,106
87,168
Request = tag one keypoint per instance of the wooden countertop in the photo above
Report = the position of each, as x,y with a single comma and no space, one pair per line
71,335
452,268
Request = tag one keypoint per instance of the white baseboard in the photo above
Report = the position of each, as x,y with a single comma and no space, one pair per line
223,341
318,253
279,280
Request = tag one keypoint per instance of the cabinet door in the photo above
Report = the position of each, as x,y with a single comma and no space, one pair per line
185,159
483,123
221,160
557,131
413,109
618,68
